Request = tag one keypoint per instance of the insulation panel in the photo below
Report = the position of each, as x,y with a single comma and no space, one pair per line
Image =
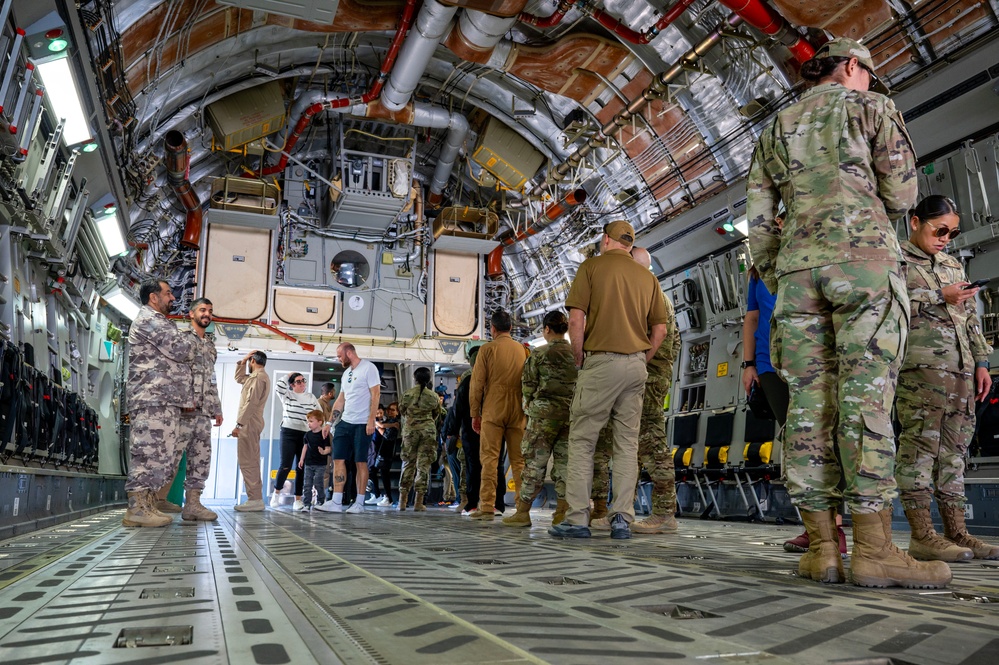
237,270
456,294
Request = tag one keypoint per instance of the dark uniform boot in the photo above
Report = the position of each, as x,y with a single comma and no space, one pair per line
520,518
822,561
876,562
560,510
956,531
925,544
418,503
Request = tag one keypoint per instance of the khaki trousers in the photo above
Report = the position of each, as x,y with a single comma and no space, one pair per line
610,386
490,443
248,458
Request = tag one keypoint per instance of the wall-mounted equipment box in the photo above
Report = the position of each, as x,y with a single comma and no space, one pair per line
247,115
507,155
466,230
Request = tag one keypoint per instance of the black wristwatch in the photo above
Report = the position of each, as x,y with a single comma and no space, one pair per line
748,363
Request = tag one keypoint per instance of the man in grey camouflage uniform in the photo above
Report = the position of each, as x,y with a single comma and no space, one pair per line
653,448
196,425
842,164
159,388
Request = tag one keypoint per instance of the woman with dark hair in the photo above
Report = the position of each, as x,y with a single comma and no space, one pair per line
547,382
420,406
297,403
841,163
945,371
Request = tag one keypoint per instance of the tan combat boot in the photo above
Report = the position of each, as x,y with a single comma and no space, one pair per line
194,511
561,508
403,498
655,524
822,561
925,544
599,510
418,503
166,507
141,512
956,531
876,562
520,518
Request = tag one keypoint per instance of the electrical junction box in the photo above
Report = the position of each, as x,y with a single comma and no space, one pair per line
507,155
247,115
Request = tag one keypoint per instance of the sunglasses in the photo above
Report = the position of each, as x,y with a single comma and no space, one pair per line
298,381
941,231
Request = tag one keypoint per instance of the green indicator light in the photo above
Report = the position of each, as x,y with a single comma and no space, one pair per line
729,228
58,45
89,147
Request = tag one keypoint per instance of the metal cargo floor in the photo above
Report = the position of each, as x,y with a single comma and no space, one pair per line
384,587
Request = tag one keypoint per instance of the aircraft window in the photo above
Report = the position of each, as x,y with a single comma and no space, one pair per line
349,268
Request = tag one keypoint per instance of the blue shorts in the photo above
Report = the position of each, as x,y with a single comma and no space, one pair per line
350,442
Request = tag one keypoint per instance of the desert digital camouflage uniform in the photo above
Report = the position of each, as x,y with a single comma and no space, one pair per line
419,408
196,426
547,382
653,448
936,388
159,386
843,166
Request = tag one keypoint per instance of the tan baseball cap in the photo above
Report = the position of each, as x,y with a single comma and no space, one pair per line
844,47
621,231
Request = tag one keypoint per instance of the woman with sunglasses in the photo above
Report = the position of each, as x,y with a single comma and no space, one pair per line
297,403
945,371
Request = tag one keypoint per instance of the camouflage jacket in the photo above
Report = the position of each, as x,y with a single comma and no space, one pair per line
159,362
548,379
206,391
941,336
842,163
661,365
420,409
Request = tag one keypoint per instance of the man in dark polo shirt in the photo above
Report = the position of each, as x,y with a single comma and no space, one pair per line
613,304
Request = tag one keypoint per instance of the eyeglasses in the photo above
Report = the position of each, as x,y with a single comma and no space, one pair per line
298,381
941,231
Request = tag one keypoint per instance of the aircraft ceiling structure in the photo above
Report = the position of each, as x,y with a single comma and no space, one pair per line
650,107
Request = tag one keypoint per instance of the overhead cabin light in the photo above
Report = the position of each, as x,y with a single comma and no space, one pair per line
120,301
63,94
110,230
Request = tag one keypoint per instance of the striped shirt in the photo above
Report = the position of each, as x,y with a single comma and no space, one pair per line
296,406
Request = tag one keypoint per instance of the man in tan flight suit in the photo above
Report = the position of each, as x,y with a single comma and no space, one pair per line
249,426
495,404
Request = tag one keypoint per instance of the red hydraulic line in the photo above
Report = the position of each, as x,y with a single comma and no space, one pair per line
494,261
618,28
765,19
221,319
548,21
376,89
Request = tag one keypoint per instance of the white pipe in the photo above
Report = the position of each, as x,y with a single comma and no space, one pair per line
436,117
482,30
432,23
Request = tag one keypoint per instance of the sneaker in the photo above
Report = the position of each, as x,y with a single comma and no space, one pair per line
275,499
384,502
250,506
800,544
565,530
619,528
307,508
373,501
298,505
330,507
600,524
355,508
842,541
466,513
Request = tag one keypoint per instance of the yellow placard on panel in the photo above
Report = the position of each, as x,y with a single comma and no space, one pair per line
722,369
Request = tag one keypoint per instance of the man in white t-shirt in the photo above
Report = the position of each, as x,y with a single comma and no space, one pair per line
360,390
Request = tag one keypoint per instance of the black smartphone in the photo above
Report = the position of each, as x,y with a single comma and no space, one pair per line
977,283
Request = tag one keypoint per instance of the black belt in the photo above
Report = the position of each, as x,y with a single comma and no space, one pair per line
611,353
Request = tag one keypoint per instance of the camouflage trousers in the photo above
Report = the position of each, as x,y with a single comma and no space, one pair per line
419,450
838,340
544,439
463,485
155,447
938,420
195,432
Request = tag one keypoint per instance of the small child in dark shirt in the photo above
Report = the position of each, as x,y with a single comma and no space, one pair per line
315,453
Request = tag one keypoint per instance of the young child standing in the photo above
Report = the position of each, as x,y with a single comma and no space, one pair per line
315,453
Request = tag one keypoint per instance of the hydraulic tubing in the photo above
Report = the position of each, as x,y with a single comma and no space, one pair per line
176,161
765,19
494,261
626,33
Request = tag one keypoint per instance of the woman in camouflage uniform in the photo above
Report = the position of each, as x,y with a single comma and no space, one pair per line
420,407
547,382
945,370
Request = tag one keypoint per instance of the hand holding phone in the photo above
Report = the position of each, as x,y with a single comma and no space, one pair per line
977,283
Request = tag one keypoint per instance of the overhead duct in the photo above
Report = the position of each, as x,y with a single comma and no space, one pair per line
476,34
626,33
766,19
432,116
573,198
176,161
432,23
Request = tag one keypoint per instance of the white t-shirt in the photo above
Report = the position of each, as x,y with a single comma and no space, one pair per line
356,387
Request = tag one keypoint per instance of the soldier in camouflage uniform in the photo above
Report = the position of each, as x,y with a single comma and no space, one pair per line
547,382
842,164
159,388
420,408
945,370
196,425
653,448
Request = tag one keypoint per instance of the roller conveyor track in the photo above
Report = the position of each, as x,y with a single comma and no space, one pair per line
385,587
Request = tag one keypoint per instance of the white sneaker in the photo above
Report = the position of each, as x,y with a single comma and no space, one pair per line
373,501
298,505
330,507
253,506
384,501
275,499
355,508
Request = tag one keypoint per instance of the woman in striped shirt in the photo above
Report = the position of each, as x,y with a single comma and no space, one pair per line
297,403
